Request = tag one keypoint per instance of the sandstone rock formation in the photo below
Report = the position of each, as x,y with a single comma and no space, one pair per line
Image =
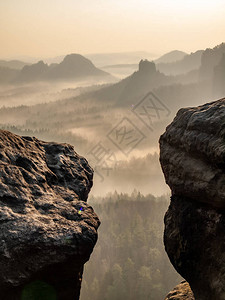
48,231
192,156
181,291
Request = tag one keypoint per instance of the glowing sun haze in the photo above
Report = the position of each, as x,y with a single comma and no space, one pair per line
44,28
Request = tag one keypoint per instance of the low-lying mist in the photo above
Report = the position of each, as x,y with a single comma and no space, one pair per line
116,126
12,95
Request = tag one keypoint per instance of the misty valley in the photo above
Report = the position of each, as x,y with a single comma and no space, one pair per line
113,108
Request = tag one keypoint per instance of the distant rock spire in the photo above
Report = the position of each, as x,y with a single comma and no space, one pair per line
147,66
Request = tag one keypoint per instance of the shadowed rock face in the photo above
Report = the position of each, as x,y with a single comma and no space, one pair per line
192,156
48,231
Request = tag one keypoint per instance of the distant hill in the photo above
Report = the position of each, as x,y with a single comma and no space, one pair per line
105,59
202,60
13,64
170,57
73,66
133,87
188,63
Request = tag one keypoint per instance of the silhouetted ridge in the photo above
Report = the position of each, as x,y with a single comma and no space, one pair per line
170,57
73,66
33,72
76,59
186,64
210,59
13,64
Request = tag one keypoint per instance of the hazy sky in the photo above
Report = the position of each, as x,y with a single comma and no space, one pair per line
43,28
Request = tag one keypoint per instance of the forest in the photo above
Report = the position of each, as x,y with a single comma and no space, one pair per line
129,260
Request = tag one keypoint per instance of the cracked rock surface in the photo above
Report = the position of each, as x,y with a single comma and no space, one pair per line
192,153
48,230
192,156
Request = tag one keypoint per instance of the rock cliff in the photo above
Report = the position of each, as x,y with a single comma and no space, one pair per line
192,156
48,230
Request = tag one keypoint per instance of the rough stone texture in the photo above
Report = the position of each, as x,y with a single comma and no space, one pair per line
194,239
192,155
181,291
48,231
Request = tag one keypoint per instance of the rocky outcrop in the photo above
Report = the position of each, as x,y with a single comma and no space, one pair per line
181,291
192,156
147,66
48,230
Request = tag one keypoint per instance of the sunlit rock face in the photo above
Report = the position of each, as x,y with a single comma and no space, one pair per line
181,291
192,156
48,230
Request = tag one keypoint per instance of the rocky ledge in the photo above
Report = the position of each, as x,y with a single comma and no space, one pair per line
48,230
181,291
192,156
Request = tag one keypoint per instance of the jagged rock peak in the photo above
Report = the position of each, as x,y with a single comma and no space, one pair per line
48,230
